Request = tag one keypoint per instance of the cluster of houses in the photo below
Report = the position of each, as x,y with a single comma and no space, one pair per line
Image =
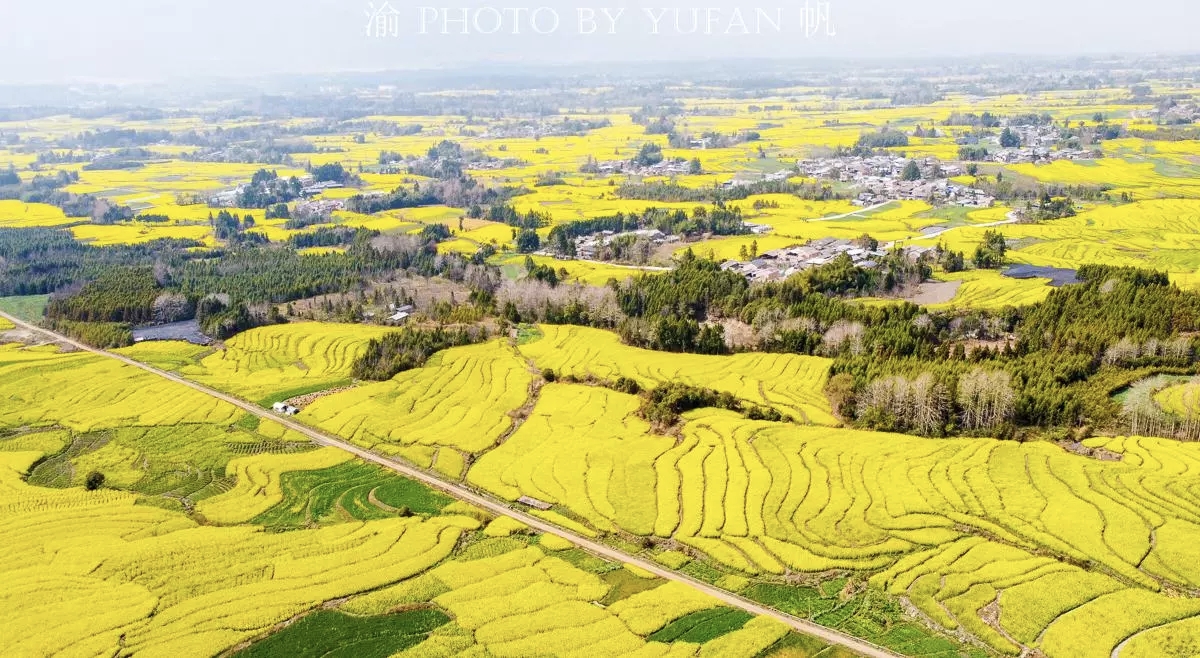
397,314
879,178
1176,114
407,165
1032,154
1038,144
317,207
775,177
880,190
309,188
588,246
853,169
781,263
314,188
666,167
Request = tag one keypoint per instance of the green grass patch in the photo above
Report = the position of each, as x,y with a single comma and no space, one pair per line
702,571
797,645
56,470
623,584
871,615
586,561
701,626
806,602
29,308
835,651
315,387
528,333
488,547
344,492
333,634
248,422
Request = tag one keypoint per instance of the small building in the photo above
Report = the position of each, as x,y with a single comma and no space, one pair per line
534,503
285,409
399,316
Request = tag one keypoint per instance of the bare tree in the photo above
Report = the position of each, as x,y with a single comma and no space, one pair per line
842,333
930,402
986,400
1123,351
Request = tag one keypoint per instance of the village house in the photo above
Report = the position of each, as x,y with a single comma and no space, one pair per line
779,264
285,409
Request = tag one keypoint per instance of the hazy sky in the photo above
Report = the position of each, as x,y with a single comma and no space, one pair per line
60,40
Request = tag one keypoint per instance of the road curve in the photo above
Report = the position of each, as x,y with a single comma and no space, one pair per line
852,213
492,505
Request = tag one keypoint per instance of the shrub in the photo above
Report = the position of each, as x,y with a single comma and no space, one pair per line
627,385
94,480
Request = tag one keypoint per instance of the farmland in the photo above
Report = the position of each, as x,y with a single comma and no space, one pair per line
235,583
951,526
790,383
760,499
507,594
595,365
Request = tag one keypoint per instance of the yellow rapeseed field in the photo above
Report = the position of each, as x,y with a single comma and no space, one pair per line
461,399
791,383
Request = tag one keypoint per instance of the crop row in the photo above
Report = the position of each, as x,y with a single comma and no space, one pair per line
791,383
460,399
764,497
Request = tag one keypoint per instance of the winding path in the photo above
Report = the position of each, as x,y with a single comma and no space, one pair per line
492,505
852,213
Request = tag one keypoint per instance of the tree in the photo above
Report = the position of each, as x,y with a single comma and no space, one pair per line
94,481
694,166
985,399
649,154
990,254
968,152
865,241
10,176
527,241
840,391
1009,139
912,171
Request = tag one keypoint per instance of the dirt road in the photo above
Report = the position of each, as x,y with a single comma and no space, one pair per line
492,505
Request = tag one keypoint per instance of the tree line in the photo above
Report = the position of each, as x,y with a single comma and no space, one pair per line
409,348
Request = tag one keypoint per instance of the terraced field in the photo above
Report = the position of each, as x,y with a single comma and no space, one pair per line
790,383
1183,399
274,363
85,392
171,583
578,271
460,401
981,536
1016,544
989,289
169,587
512,600
17,214
1159,234
89,413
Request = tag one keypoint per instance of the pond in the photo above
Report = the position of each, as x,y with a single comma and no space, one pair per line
1059,276
188,330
